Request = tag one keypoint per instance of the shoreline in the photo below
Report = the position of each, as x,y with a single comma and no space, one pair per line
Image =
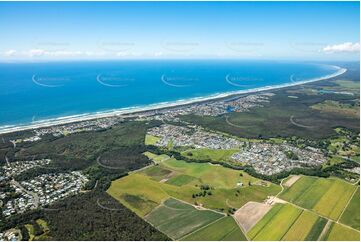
157,106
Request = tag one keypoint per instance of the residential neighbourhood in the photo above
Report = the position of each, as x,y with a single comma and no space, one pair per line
269,159
192,136
18,197
265,157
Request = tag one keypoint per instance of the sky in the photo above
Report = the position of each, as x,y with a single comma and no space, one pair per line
181,30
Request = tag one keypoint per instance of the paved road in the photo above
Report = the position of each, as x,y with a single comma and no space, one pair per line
33,194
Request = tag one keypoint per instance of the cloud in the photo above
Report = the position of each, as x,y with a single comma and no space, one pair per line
348,47
61,53
36,52
10,53
157,54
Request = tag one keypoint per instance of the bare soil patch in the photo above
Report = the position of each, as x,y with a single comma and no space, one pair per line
248,215
291,181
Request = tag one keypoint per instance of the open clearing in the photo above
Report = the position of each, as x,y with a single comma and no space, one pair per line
144,190
328,197
151,140
177,219
225,229
291,180
209,154
248,215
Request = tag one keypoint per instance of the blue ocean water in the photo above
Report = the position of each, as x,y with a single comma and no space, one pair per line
30,92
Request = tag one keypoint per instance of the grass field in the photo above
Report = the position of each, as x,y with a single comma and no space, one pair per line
143,191
327,197
177,219
338,232
208,154
224,229
151,140
351,215
181,180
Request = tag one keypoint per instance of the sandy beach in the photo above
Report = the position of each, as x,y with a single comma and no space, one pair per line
139,109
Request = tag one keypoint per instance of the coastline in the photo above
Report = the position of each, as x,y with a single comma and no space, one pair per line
163,105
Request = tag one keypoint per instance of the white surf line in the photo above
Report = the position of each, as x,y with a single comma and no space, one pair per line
33,78
169,104
344,209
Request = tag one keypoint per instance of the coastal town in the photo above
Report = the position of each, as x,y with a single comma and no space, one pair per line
71,128
211,108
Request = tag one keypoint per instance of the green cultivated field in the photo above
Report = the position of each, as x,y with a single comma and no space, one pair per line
327,197
316,229
338,232
143,191
224,229
264,221
280,223
287,222
351,215
177,219
302,227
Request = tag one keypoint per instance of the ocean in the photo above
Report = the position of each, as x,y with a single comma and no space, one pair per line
35,92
